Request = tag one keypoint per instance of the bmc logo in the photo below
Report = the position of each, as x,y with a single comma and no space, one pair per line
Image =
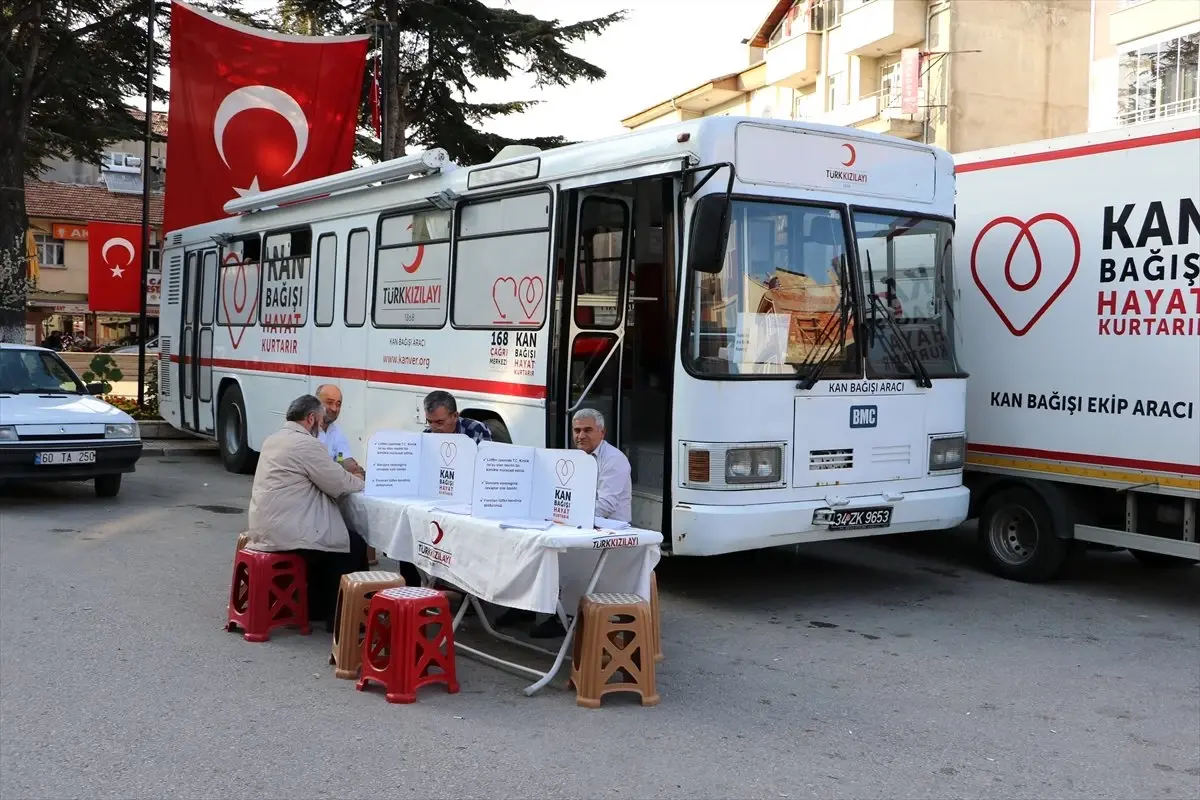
864,416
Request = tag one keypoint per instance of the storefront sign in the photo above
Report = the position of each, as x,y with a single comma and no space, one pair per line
153,287
70,231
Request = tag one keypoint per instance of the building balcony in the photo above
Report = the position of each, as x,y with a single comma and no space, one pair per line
878,115
795,62
1145,18
875,27
1178,108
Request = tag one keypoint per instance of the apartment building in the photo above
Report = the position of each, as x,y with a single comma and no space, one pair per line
60,204
1145,61
961,74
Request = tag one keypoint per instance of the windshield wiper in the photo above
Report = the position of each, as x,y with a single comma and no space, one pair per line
811,369
920,374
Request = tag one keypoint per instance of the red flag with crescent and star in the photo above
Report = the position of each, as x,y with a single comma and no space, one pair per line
114,268
253,110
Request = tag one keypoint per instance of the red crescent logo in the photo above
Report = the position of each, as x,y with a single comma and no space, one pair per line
853,155
416,264
438,533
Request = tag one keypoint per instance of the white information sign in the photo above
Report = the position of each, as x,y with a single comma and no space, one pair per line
761,339
393,464
447,466
503,481
524,484
564,487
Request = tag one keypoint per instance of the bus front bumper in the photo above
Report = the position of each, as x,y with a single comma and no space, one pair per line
700,530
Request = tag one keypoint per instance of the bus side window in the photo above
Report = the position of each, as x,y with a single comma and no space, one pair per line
356,278
326,283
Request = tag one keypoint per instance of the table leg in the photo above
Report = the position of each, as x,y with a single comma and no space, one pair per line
569,639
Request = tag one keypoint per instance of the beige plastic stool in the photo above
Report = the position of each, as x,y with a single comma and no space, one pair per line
613,634
350,617
655,624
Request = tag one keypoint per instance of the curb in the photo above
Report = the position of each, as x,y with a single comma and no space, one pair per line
153,448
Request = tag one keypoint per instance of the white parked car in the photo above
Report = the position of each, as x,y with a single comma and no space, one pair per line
53,429
132,349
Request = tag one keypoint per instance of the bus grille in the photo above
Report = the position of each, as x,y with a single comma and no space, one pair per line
891,454
175,279
830,459
164,366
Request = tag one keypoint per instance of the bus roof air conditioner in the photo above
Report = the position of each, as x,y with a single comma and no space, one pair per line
416,165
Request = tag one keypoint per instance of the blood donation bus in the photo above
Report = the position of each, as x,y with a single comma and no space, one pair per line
760,309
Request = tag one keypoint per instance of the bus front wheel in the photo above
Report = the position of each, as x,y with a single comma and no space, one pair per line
1017,536
236,454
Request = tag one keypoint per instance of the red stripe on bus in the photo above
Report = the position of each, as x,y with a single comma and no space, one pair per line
1086,458
381,376
1083,150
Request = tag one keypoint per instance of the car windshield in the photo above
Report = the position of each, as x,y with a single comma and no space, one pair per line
905,265
777,307
36,372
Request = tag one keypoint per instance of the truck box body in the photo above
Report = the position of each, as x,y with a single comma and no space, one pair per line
1077,263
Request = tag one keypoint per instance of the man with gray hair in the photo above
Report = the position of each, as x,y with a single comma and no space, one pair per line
293,505
614,481
614,500
441,416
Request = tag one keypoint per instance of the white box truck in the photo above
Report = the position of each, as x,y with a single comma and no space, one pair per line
1077,263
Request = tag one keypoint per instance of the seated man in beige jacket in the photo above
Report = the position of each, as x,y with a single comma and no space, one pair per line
294,505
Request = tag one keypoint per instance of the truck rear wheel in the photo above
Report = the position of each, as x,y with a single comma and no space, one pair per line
1016,533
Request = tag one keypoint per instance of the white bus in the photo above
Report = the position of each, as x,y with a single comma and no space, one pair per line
760,309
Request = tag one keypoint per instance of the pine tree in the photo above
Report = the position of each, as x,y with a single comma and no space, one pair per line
439,48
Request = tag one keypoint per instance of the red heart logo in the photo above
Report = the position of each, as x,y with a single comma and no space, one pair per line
512,282
565,470
1024,233
237,323
529,293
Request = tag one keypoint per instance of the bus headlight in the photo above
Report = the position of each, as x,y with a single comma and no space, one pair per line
947,453
8,433
753,464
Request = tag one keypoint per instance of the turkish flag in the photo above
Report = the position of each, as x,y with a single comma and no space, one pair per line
252,110
114,268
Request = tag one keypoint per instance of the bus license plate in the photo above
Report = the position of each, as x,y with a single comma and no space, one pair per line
859,518
65,457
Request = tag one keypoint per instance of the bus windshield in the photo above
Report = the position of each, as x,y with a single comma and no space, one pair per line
780,303
905,268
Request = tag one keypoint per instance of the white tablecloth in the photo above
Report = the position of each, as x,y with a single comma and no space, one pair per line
512,567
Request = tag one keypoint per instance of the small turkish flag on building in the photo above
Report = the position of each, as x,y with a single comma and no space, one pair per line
114,268
252,111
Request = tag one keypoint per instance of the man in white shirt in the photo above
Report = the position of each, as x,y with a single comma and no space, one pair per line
614,478
331,435
614,498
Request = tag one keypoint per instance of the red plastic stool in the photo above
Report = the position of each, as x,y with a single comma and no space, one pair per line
269,590
400,650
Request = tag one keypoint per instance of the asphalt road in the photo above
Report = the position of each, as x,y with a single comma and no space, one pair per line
893,668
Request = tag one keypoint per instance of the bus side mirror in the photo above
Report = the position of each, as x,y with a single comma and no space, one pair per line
710,234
